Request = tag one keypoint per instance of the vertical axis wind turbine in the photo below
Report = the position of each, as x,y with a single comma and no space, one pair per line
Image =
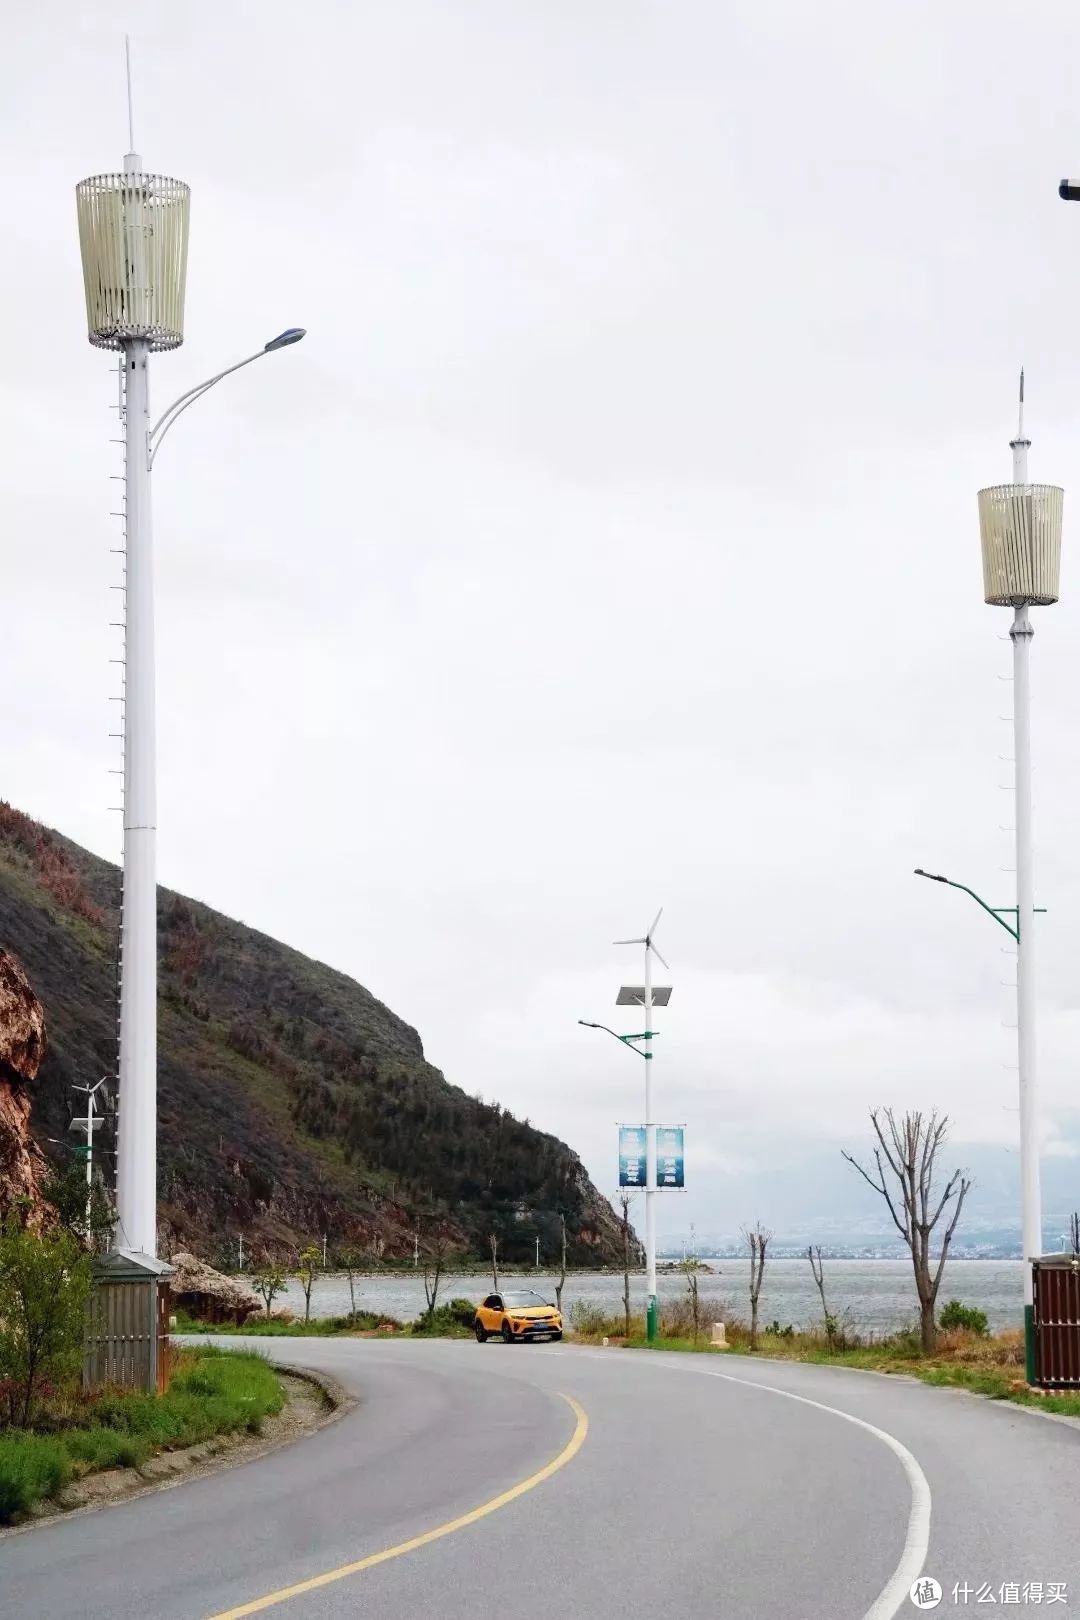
133,233
632,995
1020,529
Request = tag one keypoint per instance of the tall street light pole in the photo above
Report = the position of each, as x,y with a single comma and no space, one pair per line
1020,528
646,996
133,233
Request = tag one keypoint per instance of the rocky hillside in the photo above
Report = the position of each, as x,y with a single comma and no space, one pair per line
291,1101
23,1169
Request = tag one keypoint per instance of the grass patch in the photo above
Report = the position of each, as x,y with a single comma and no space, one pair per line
212,1392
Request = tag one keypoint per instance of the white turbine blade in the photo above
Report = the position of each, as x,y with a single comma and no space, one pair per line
659,958
655,920
629,942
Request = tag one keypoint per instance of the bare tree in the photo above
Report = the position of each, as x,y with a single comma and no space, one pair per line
624,1204
814,1256
351,1262
309,1267
756,1239
434,1251
494,1241
690,1272
907,1154
561,1284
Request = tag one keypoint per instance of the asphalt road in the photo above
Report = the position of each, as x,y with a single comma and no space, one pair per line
703,1486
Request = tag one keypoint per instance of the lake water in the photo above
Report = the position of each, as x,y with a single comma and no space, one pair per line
878,1296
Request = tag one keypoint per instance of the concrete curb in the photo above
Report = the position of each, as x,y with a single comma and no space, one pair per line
338,1399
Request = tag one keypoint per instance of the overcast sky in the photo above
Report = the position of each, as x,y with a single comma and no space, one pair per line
610,542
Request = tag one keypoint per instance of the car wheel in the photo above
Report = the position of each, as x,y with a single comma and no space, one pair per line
481,1336
507,1333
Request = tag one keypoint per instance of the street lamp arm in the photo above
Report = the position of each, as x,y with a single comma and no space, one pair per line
624,1040
979,901
180,405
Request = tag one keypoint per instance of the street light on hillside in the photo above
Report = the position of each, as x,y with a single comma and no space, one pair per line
133,233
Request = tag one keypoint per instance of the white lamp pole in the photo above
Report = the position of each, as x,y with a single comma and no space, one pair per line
133,233
1020,526
650,1153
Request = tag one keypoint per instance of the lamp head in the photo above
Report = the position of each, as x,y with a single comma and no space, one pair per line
934,877
291,334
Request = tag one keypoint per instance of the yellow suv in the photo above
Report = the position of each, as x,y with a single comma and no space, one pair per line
517,1314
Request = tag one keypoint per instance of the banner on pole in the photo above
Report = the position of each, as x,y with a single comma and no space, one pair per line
632,1152
669,1156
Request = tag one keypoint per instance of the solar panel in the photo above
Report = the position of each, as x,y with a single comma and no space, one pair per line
633,995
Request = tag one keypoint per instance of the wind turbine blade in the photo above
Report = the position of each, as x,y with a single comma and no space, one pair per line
629,942
659,958
655,920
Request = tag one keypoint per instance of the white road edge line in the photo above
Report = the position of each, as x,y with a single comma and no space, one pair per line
916,1543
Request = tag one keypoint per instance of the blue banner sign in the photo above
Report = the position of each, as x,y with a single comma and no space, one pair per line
669,1156
632,1148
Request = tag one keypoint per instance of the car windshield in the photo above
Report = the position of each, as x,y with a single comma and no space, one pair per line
521,1300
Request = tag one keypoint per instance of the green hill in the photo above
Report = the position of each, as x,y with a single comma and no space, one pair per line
291,1102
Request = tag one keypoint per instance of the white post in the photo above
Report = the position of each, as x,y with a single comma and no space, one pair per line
650,1157
1021,633
136,1183
90,1122
324,1251
538,1254
240,1266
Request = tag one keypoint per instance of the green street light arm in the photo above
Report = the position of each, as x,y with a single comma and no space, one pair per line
623,1039
994,911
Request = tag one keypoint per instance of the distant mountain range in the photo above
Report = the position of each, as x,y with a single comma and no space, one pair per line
814,1197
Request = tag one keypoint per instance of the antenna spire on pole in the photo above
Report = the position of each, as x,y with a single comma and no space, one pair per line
132,161
1020,429
1020,445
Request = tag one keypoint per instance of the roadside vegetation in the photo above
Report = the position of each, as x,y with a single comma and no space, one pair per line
51,1430
452,1320
964,1357
211,1393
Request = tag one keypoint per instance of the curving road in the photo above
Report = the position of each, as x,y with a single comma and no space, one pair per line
668,1484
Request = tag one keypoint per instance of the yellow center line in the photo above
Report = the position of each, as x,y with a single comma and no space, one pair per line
284,1593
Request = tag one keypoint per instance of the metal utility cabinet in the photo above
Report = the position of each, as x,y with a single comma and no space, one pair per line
1056,1287
127,1326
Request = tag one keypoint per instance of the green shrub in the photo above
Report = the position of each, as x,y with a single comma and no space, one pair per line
455,1318
968,1317
44,1283
463,1312
31,1466
779,1332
